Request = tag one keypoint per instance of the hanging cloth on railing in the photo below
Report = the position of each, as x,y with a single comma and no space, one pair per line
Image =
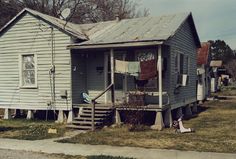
127,67
134,68
121,66
148,69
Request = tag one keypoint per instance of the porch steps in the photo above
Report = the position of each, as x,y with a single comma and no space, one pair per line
103,116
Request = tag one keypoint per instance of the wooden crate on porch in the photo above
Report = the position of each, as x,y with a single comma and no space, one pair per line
136,98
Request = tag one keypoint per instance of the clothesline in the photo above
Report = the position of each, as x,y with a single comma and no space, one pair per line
143,70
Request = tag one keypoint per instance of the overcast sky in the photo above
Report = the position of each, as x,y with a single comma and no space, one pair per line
214,19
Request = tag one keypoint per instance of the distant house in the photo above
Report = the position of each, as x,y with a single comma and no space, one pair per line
215,78
203,72
46,64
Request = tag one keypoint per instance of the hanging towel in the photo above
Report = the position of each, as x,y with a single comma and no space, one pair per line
121,66
148,69
134,68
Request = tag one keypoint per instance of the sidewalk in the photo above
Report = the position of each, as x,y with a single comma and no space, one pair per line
48,146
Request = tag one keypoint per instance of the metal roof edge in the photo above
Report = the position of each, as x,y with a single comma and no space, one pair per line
115,45
30,11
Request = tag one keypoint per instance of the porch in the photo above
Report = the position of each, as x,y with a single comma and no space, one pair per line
94,72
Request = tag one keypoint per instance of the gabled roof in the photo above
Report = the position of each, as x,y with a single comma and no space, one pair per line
203,54
70,28
145,29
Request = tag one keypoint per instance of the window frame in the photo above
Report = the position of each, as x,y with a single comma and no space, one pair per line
180,67
35,85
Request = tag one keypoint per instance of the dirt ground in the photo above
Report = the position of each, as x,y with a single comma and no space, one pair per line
10,154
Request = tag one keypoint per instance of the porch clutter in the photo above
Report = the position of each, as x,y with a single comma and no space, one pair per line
179,127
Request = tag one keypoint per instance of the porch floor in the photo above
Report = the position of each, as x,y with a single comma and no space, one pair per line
149,107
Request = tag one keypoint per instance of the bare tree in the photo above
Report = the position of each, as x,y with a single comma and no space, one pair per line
104,10
83,11
230,67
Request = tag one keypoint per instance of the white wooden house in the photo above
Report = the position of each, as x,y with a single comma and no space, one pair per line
203,72
215,78
45,64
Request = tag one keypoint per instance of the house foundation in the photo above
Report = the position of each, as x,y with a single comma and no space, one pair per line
61,117
30,115
17,113
70,116
7,114
179,112
117,117
159,124
188,111
168,118
194,108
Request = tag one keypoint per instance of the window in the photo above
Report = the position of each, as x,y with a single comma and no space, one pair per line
28,71
179,63
179,69
187,65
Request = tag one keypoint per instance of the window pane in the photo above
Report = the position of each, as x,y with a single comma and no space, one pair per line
28,62
28,70
181,63
28,77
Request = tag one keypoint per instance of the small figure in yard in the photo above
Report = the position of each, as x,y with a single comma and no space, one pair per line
179,127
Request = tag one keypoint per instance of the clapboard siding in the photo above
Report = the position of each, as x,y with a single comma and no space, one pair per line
31,35
183,42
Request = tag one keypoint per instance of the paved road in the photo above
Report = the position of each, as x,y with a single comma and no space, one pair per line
16,154
50,147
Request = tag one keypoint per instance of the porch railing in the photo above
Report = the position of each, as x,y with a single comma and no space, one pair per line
110,87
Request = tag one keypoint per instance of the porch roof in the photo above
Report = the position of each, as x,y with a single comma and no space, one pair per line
116,45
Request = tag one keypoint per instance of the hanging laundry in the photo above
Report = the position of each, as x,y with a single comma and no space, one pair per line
134,68
148,69
121,66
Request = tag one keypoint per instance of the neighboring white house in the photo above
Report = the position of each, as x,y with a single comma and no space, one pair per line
215,78
203,72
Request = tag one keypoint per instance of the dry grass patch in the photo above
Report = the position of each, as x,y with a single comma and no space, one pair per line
227,91
29,129
215,131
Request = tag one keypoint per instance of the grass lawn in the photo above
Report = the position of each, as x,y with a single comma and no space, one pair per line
29,129
215,131
227,91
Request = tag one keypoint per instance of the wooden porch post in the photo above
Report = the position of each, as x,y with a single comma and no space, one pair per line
106,75
160,75
112,77
125,79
